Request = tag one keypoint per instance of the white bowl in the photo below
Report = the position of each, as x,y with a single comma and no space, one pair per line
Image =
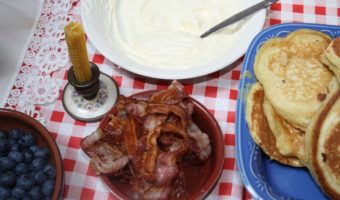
93,13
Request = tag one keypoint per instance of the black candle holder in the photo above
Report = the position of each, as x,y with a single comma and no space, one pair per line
88,90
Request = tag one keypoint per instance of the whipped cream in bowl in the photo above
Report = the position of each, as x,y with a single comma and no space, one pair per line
161,38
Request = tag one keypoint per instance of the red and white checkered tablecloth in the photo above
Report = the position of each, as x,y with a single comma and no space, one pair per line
217,91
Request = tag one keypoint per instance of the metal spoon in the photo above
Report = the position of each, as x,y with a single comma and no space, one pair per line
239,16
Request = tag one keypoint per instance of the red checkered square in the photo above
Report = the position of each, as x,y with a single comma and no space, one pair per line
229,163
298,8
211,91
276,6
246,195
274,21
231,117
320,10
212,112
90,171
229,139
118,80
65,76
233,94
138,84
69,164
66,188
98,58
225,189
60,97
87,193
54,135
74,142
57,116
235,75
188,89
79,123
338,13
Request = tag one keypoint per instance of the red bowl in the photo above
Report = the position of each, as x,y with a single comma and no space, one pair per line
10,119
200,179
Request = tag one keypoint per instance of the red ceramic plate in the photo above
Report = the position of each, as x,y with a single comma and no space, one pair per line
200,179
10,119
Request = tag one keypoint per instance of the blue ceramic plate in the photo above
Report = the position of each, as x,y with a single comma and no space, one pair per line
265,178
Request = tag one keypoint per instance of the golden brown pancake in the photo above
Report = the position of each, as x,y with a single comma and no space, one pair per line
331,57
259,127
293,77
290,141
323,146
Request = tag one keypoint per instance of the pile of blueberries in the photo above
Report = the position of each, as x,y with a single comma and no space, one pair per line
25,172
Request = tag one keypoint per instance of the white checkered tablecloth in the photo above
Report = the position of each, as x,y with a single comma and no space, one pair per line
217,91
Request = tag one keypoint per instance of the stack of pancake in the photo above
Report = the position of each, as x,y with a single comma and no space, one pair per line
293,111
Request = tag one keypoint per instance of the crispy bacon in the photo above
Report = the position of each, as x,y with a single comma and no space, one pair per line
167,110
131,134
152,128
173,95
148,138
107,158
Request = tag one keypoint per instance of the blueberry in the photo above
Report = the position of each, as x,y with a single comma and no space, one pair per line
34,148
35,193
28,156
4,193
3,134
8,179
7,163
27,140
47,198
18,193
39,177
38,164
15,134
4,145
25,181
26,198
49,170
11,198
47,187
15,147
17,156
42,153
21,168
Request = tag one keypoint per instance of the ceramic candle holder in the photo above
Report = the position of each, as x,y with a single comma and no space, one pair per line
91,100
89,89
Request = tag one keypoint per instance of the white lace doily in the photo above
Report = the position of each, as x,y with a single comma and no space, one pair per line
46,53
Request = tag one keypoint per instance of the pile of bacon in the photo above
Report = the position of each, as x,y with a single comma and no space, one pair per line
147,140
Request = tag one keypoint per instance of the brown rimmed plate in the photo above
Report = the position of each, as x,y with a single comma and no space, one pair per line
200,179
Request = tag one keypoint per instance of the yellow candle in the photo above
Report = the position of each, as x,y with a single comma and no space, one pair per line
75,39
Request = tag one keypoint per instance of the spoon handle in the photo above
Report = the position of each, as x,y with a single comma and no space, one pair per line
239,16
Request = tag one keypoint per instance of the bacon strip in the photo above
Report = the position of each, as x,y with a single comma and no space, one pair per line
152,127
173,95
164,109
107,158
130,135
